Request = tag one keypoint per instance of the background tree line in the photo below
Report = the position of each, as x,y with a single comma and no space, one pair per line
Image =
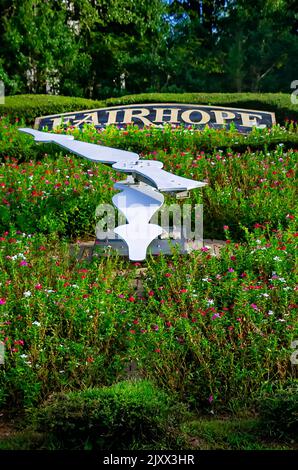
101,48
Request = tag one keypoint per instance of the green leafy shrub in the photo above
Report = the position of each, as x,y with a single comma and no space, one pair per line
108,417
279,103
29,107
279,414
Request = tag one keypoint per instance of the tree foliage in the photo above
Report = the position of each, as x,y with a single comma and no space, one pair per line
99,48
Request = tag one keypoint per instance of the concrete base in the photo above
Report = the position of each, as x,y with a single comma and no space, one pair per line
157,246
87,249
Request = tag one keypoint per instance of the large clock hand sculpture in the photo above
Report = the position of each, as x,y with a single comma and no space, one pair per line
140,197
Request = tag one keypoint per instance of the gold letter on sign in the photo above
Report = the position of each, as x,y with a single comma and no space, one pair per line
140,113
161,114
249,120
88,118
221,116
185,116
112,119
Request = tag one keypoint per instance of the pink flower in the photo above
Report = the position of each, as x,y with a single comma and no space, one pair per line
204,248
226,227
23,263
210,399
254,306
231,270
2,301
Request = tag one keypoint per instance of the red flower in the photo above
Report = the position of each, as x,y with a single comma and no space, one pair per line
168,275
131,299
38,286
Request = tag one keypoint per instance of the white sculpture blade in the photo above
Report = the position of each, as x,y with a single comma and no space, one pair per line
138,203
150,171
94,152
139,198
138,239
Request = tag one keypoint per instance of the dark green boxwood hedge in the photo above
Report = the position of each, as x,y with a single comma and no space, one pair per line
126,414
28,107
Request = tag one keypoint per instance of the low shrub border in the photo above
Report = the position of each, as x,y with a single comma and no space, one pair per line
28,107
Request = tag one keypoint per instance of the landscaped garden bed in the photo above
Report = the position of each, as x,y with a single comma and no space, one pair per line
212,333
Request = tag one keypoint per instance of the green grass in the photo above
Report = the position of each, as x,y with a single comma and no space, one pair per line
229,434
198,433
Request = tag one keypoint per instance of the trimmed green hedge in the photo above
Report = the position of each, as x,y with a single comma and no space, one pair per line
28,107
124,415
279,103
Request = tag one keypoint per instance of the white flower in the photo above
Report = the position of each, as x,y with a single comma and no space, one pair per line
270,312
258,242
27,293
265,295
276,258
36,323
205,279
210,301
